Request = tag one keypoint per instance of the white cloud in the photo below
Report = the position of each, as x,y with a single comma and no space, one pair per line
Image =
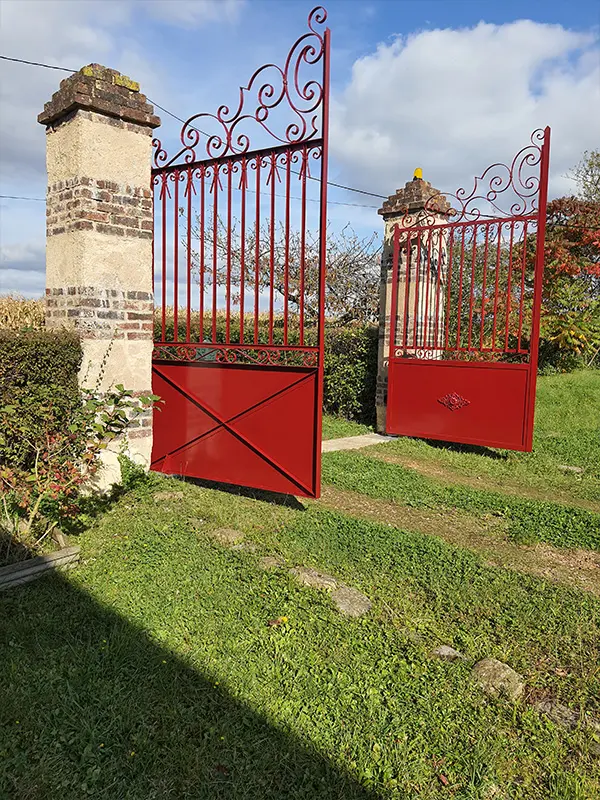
455,101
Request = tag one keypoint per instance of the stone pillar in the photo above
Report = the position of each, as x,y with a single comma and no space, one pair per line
407,205
99,232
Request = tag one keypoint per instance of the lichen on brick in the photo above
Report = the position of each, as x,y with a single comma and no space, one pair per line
123,80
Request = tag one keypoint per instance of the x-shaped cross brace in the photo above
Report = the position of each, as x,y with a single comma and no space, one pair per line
221,422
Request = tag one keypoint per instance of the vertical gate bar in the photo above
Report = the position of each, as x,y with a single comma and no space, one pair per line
472,289
538,280
426,330
189,256
417,278
153,190
287,247
394,304
305,154
244,168
484,287
257,160
449,288
437,292
497,284
522,297
272,247
163,256
215,233
460,287
228,285
322,262
509,283
406,290
201,298
176,258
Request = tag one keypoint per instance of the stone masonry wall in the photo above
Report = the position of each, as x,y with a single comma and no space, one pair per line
99,230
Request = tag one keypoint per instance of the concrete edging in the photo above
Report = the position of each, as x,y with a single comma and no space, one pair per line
33,568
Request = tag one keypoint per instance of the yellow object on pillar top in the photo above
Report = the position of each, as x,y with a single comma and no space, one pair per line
418,173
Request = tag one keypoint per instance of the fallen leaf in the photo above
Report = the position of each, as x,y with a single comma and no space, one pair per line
275,623
443,780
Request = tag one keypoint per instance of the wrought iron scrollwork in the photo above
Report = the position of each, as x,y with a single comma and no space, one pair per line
519,181
269,87
262,356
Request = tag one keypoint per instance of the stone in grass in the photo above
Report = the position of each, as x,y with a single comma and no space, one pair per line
270,562
350,601
226,536
316,580
447,653
496,678
161,496
568,468
566,717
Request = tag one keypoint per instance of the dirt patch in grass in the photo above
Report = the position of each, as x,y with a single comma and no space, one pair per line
439,472
485,535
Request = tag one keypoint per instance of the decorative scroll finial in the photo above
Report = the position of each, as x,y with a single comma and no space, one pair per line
269,86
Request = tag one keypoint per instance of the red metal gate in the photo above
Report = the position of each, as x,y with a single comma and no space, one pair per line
240,279
465,308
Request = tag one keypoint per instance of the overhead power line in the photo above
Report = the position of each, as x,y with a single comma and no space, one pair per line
204,133
266,194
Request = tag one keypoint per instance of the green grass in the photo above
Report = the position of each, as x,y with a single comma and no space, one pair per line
337,427
567,432
528,520
151,672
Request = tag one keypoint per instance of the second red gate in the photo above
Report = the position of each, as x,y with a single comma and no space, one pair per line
465,308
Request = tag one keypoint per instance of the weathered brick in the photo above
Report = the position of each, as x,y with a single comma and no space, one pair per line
135,315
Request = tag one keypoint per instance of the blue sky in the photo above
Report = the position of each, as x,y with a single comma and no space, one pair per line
448,85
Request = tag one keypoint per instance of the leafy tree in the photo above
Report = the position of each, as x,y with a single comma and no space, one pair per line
587,176
353,267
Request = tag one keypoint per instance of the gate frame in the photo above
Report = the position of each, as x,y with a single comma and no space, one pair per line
424,221
225,147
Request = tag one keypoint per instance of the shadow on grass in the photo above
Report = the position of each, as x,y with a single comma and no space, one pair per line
91,707
287,500
479,450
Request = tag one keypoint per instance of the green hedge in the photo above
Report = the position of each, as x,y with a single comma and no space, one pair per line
350,372
38,375
350,357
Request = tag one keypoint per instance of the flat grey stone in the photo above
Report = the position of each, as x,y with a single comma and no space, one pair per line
497,678
447,653
226,536
567,468
311,577
351,602
270,562
566,717
160,496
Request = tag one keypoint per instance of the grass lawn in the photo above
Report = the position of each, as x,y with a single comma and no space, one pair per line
168,665
567,434
337,427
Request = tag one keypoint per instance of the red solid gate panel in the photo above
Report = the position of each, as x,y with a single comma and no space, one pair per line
240,281
465,310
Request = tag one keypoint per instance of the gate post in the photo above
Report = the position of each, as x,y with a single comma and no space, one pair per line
99,229
401,210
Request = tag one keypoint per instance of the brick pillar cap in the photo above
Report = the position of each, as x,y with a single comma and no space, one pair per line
413,197
103,90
